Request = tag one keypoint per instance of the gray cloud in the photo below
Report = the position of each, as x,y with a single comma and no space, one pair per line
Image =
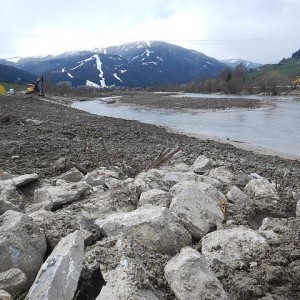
258,30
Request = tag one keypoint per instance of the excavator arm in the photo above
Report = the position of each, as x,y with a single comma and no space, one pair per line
36,87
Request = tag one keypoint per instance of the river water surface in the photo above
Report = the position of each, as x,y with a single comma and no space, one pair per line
276,128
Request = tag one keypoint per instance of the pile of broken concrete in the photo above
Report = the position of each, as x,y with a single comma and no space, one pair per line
162,235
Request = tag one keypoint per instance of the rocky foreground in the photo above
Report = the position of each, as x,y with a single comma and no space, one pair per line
83,219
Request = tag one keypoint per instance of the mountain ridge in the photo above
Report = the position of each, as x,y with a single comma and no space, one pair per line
232,63
130,64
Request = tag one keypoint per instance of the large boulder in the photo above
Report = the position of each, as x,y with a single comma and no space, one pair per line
9,197
124,198
54,197
202,164
72,175
171,178
59,274
233,246
280,230
22,245
190,277
261,188
198,212
24,179
152,226
123,269
102,177
222,174
6,205
5,295
13,281
155,197
235,195
206,188
146,181
120,283
55,225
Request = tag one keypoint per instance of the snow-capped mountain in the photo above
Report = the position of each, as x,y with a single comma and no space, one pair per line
130,64
232,63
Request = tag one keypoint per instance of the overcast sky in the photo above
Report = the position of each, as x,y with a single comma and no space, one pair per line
262,31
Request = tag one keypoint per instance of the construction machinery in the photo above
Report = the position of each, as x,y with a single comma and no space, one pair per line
36,87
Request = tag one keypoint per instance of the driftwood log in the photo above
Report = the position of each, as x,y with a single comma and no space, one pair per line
164,156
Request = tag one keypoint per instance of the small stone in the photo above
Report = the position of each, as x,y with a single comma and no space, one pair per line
14,157
253,264
5,295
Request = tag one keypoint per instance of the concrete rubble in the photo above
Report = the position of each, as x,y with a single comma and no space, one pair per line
59,274
190,277
179,231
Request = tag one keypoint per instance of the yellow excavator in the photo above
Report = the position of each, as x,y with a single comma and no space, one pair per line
296,82
36,87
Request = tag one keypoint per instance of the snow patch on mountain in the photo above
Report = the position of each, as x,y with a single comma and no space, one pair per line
14,59
147,52
92,84
70,75
81,63
117,77
99,67
234,62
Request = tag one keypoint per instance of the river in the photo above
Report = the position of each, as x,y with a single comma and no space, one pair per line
275,128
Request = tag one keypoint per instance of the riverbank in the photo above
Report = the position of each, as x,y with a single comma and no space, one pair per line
47,139
50,130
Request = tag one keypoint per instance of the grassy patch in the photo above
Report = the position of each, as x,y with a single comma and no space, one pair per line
16,87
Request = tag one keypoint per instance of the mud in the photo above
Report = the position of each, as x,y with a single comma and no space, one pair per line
35,133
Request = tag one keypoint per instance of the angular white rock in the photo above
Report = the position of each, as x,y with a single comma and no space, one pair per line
190,277
24,179
202,164
232,246
63,193
9,196
120,283
58,276
22,244
235,195
150,180
152,226
6,205
222,174
198,213
13,281
73,175
5,295
155,197
206,188
260,188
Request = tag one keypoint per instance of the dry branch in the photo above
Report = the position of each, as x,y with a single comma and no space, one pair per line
164,156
